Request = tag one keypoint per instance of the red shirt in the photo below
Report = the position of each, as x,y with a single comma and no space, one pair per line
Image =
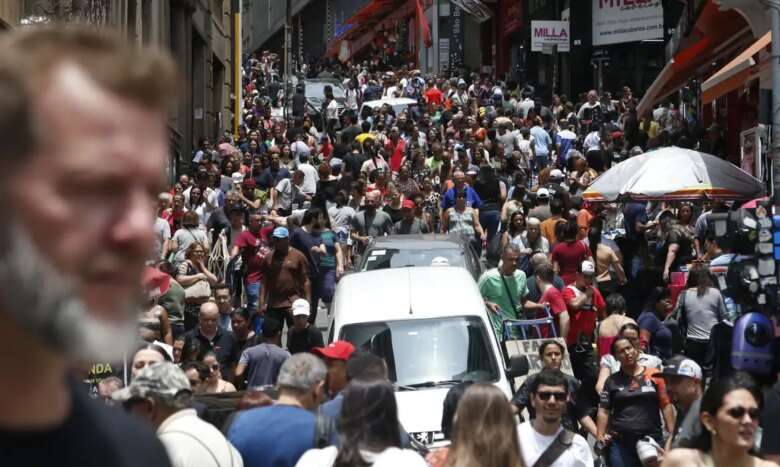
569,256
434,97
582,320
254,248
554,298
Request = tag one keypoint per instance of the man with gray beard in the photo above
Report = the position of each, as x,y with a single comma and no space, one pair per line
76,203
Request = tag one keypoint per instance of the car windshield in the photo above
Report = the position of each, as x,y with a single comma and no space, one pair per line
383,258
316,89
428,352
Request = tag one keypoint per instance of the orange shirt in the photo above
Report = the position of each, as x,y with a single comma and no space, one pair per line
583,222
548,229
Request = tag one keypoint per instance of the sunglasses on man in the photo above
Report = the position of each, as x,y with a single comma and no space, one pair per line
546,395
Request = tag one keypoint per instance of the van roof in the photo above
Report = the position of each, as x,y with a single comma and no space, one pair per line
392,101
403,293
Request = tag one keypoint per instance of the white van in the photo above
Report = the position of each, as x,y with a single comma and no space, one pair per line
431,327
399,104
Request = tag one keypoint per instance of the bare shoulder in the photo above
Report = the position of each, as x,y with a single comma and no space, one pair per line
681,457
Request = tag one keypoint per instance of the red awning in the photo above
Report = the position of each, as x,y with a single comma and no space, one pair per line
736,73
363,20
365,23
715,31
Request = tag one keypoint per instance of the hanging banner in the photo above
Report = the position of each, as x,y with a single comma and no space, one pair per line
478,10
619,21
457,41
550,33
512,17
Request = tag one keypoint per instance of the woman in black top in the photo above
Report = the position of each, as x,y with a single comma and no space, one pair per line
629,407
489,189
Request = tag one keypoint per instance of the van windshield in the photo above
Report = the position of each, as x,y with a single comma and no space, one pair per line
428,352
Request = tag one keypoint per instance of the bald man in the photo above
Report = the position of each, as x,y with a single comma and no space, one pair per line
371,222
207,336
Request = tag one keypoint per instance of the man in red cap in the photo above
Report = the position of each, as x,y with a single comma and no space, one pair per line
335,355
409,223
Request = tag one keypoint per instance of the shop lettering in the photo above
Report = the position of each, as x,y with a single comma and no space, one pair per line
622,3
550,32
101,368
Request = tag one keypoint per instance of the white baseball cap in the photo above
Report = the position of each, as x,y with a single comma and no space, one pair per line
300,307
588,268
543,193
556,174
237,177
681,366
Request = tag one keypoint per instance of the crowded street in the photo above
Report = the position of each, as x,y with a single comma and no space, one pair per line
395,246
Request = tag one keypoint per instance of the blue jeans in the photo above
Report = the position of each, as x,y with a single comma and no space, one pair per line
322,288
490,221
253,290
540,162
253,295
622,454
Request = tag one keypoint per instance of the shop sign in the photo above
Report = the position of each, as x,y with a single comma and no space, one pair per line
554,33
619,21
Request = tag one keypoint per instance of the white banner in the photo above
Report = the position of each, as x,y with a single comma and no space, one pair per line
550,32
530,349
618,21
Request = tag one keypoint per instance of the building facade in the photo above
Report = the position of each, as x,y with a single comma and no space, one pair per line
198,33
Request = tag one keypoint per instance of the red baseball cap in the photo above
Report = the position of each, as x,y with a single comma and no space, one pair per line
408,204
336,350
155,282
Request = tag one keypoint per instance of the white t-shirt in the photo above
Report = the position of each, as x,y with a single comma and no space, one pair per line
592,141
390,457
645,360
310,178
191,442
533,444
162,233
286,191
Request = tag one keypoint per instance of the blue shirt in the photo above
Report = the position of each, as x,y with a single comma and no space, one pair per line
660,343
274,436
472,198
542,141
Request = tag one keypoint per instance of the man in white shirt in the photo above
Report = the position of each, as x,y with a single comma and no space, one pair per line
161,394
593,103
525,105
544,437
310,175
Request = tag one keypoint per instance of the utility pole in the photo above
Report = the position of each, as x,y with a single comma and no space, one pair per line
774,8
287,61
235,10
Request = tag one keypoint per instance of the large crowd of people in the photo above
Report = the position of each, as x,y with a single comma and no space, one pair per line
251,239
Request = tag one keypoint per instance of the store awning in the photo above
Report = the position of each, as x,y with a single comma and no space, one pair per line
736,73
715,31
365,24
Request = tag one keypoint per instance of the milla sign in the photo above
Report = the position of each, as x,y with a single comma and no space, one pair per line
554,33
618,21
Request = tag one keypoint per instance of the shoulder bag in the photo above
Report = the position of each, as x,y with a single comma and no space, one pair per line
677,323
561,443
